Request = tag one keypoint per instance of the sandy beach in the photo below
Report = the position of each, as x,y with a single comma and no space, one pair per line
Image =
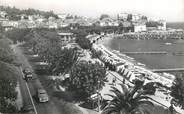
106,41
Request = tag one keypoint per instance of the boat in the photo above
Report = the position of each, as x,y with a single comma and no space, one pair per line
168,43
140,64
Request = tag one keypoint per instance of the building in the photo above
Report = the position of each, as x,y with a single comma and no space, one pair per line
3,14
62,16
123,16
66,37
8,25
139,27
162,25
136,17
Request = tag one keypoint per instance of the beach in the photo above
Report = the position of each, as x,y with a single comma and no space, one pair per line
106,42
174,49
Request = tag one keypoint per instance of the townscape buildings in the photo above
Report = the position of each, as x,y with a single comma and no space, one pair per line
135,22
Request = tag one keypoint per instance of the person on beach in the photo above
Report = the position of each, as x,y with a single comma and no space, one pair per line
114,81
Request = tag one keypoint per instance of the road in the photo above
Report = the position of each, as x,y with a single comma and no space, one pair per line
41,108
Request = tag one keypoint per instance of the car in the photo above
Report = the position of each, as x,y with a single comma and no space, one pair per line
27,74
42,95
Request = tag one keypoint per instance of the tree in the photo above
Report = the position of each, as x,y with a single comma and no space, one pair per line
6,53
8,82
129,17
64,61
103,16
177,90
1,29
86,78
150,87
49,48
126,101
17,34
144,18
96,54
13,13
84,43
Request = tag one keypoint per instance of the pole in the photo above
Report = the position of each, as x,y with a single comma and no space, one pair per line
98,96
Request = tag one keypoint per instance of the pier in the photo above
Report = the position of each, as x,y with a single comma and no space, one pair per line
152,35
168,70
149,52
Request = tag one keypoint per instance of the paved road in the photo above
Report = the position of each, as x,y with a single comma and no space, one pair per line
54,106
41,108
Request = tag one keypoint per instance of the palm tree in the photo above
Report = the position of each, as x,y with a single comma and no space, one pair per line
126,101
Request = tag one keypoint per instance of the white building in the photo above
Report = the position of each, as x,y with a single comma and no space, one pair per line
123,16
52,24
139,27
62,16
136,17
3,14
66,37
163,26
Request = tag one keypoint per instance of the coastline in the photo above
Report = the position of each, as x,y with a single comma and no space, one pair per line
106,42
103,45
173,58
155,77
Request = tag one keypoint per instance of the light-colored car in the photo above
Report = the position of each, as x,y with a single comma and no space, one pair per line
42,95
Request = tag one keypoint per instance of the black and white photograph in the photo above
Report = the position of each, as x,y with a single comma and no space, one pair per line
91,56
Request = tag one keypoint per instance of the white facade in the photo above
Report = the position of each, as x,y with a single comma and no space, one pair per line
139,28
163,27
10,23
3,14
62,16
66,37
123,16
136,17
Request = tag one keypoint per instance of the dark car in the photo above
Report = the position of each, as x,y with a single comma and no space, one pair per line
27,74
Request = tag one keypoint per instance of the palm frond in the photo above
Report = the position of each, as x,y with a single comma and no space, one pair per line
132,92
145,102
138,98
117,92
124,88
109,110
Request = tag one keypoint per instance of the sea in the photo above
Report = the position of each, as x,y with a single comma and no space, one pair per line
174,48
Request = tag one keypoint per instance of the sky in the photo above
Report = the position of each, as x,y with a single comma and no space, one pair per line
169,10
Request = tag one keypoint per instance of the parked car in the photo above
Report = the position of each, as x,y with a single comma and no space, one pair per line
42,95
27,74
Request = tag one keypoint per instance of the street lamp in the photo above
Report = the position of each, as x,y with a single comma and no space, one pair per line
98,95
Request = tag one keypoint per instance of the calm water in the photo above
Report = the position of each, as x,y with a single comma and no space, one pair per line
176,25
155,60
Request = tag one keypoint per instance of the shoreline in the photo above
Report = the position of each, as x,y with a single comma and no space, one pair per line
118,56
106,42
172,52
165,80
